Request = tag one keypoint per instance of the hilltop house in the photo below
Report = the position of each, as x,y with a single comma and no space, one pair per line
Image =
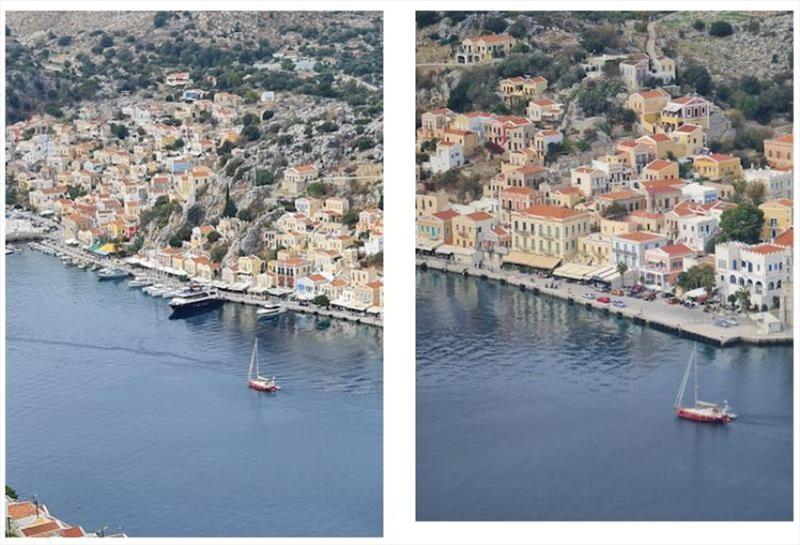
478,49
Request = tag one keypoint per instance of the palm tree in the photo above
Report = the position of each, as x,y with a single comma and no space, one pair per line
743,297
622,268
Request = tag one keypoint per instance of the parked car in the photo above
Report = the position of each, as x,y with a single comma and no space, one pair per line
588,295
667,295
673,301
617,292
619,304
604,299
650,296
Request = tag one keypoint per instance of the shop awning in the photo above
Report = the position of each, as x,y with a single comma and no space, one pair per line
575,271
428,245
449,249
534,261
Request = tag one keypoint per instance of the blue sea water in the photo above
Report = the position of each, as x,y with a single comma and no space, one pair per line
118,416
531,409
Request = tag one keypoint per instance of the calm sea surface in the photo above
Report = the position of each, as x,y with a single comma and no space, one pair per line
120,417
531,409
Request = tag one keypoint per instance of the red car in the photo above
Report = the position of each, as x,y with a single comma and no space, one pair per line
673,301
603,299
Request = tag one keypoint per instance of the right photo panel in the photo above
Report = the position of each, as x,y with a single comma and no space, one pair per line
604,248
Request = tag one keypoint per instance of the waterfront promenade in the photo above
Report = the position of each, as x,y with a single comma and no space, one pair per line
693,323
56,246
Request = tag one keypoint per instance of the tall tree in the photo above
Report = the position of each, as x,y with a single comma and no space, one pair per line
230,207
742,223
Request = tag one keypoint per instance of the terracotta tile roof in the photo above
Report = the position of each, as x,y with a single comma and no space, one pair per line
21,510
75,531
640,236
531,169
446,214
785,139
654,93
718,157
545,102
519,190
766,249
619,195
676,249
493,38
43,528
480,216
551,211
659,164
786,238
375,284
687,128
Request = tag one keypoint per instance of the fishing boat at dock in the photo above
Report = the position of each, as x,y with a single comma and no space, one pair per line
254,378
701,411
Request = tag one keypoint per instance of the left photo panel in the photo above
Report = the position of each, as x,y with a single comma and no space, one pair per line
194,274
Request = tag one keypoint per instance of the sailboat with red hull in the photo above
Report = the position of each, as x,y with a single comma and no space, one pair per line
254,378
702,411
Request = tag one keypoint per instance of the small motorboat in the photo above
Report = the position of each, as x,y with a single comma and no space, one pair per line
139,282
270,310
254,378
702,411
112,274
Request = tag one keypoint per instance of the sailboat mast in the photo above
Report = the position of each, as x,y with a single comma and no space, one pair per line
252,360
695,383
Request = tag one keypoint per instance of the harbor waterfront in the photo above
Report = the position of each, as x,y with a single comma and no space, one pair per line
56,247
530,408
119,417
675,319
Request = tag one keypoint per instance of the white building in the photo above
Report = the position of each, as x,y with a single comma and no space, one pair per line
591,181
447,156
629,248
777,183
762,269
696,231
699,193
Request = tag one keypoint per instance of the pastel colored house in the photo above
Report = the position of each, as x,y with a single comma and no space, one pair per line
662,265
630,248
437,226
548,230
780,151
660,169
478,49
520,88
718,166
467,228
777,217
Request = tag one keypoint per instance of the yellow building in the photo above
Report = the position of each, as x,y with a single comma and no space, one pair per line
548,230
661,170
689,140
250,265
779,152
648,106
718,166
467,228
430,203
777,217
